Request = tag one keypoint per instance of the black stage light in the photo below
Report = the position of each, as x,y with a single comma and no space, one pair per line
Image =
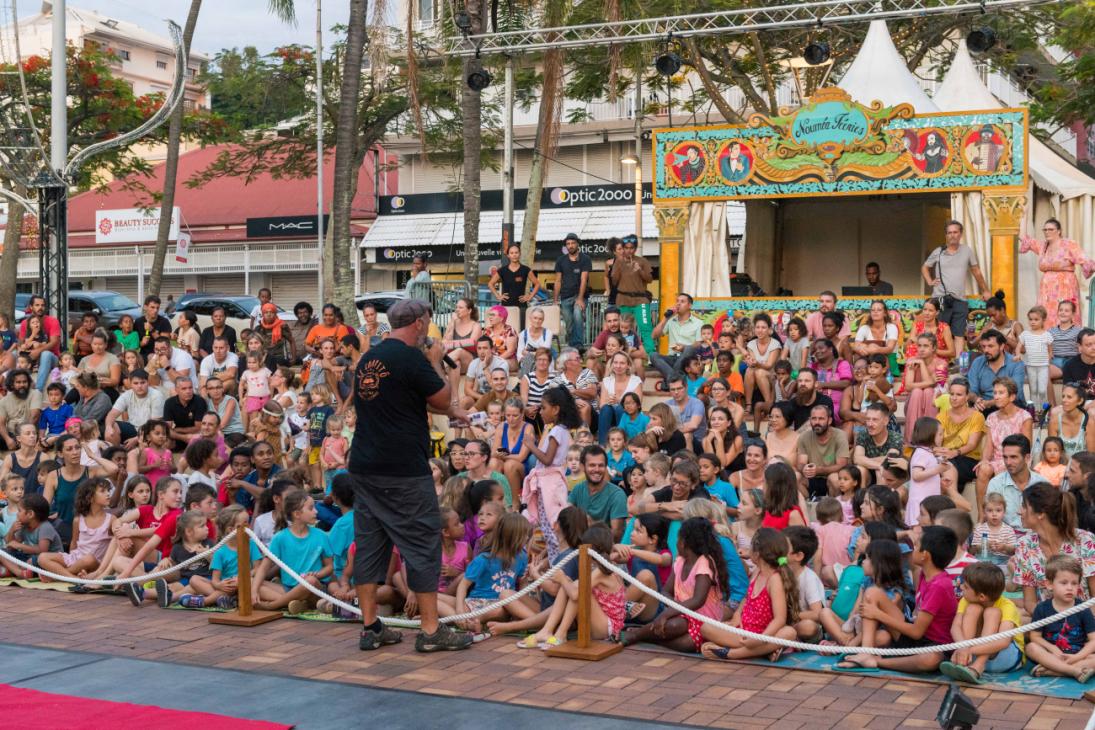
462,21
957,711
668,63
479,80
980,40
816,53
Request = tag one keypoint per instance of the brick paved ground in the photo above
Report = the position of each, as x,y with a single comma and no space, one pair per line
633,683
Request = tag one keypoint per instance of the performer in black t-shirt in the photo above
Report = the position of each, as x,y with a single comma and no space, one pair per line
514,278
394,499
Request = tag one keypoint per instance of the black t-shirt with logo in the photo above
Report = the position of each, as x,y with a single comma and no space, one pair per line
160,326
570,274
1078,371
392,436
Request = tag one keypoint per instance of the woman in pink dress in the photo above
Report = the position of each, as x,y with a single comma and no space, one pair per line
1007,419
1057,260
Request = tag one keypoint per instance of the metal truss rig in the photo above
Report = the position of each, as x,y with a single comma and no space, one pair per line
727,22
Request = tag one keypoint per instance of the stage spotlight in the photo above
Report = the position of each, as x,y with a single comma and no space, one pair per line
980,40
957,711
816,53
668,63
462,21
479,80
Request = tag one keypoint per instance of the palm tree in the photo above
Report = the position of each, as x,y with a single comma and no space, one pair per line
339,279
472,111
171,165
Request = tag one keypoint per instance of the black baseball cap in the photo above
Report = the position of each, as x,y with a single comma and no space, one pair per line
572,237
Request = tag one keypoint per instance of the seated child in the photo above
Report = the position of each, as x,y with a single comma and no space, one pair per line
833,537
609,605
51,422
341,537
191,586
302,547
1066,647
698,582
984,611
936,607
30,536
91,532
574,474
1000,535
1052,465
811,591
494,574
961,524
770,607
225,568
13,497
881,569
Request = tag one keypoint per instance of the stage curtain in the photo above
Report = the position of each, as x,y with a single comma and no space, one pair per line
705,260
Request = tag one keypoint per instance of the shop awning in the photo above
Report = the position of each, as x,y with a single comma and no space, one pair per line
591,224
447,229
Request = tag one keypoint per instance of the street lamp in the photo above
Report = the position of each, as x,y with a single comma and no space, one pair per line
628,161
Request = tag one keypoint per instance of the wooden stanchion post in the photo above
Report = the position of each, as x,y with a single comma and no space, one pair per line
585,648
245,615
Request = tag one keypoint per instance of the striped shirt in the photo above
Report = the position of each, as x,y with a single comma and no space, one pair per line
1004,534
1064,341
536,389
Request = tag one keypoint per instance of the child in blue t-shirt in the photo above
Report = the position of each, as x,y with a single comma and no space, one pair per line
318,413
225,565
304,549
497,569
617,455
51,423
340,538
717,488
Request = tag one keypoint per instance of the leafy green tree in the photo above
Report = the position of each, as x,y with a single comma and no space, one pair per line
254,91
1069,95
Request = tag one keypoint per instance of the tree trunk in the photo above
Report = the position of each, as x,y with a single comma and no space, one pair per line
171,165
9,261
339,280
547,129
472,111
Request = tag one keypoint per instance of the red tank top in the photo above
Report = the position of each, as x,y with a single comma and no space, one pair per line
780,522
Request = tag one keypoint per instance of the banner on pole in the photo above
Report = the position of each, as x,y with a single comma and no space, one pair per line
182,248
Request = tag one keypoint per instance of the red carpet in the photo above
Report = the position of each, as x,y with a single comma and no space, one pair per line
46,711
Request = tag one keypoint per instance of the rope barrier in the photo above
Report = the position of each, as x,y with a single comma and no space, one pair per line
143,578
802,646
409,623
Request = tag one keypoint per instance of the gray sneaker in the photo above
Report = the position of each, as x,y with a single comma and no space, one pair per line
444,639
371,640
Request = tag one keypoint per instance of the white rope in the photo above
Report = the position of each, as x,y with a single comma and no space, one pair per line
408,623
144,578
802,646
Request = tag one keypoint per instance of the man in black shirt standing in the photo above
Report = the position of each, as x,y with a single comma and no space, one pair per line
151,325
394,499
571,287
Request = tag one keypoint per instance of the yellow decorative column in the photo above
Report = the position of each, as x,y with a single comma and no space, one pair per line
672,219
1004,213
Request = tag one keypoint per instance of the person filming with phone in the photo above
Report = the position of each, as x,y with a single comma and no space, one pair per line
683,330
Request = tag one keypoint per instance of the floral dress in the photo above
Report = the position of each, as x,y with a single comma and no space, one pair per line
919,328
1058,286
1030,562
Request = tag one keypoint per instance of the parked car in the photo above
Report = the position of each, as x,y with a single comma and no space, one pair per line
109,305
22,301
180,303
237,310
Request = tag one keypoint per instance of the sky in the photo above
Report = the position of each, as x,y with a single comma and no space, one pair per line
222,23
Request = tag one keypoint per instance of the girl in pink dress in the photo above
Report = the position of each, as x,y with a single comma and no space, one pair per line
698,582
770,607
91,532
1057,260
155,460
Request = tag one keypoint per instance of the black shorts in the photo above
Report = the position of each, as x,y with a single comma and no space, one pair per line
905,642
956,315
817,487
399,511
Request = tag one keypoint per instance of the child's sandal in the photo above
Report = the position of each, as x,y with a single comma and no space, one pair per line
529,642
550,642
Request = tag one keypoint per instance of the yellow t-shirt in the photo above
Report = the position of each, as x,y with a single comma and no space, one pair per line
956,435
1008,612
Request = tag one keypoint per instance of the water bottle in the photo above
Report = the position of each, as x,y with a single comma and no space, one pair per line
1045,414
985,555
964,362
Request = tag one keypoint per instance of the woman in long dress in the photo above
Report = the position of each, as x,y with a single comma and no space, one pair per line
1057,260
